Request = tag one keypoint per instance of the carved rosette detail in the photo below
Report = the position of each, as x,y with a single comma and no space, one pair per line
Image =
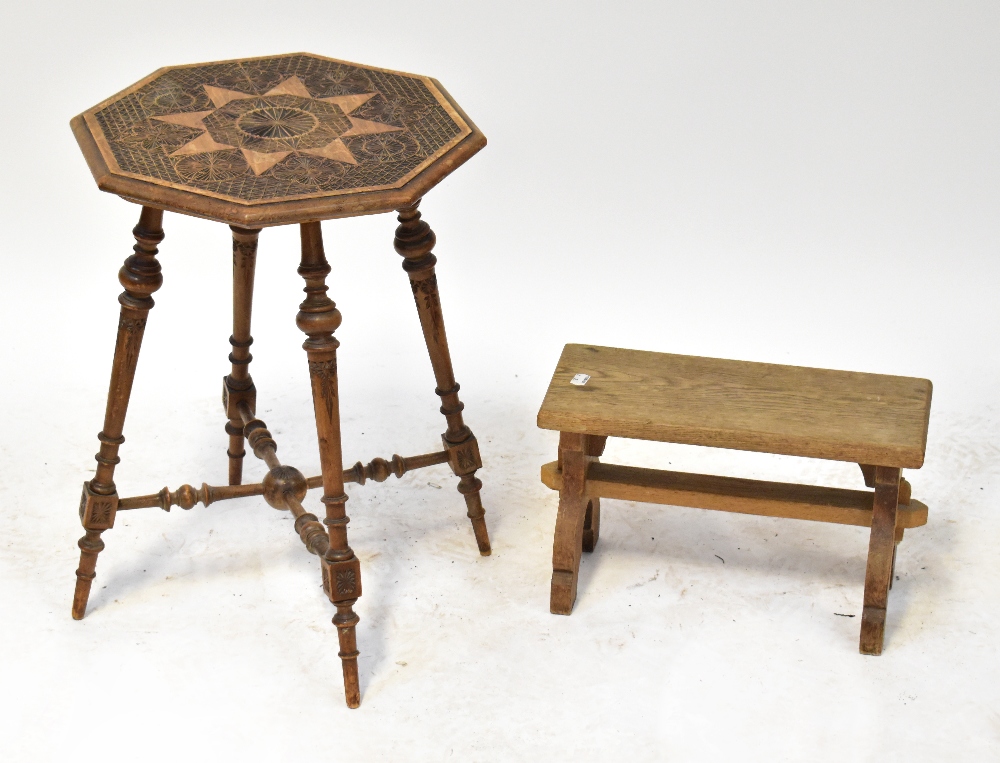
100,513
346,582
466,459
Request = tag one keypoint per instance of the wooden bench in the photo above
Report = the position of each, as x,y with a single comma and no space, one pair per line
876,421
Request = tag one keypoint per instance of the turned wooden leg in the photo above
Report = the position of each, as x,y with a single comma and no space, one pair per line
318,317
414,241
238,386
592,520
880,559
140,275
567,545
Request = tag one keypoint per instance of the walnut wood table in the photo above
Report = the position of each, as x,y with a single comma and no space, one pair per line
271,141
879,422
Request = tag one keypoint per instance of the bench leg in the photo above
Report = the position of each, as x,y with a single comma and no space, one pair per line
881,552
592,520
567,546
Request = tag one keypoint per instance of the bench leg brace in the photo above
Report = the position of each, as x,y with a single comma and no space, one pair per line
881,557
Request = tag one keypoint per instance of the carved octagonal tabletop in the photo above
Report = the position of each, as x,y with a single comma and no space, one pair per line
280,139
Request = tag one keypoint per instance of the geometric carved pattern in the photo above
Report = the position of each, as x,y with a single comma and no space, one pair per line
276,128
97,512
346,582
464,457
341,580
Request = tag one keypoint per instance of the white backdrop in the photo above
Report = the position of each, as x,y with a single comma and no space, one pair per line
805,183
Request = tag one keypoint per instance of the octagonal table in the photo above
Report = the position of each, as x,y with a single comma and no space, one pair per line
269,141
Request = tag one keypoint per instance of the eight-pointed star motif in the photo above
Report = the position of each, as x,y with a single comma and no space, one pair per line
266,128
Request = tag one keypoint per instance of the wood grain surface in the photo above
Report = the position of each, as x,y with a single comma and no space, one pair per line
838,415
742,496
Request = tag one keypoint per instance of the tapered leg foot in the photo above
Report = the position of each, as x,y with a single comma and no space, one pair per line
90,546
140,277
414,240
463,457
469,486
346,621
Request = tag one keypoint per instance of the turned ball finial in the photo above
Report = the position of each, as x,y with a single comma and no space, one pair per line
283,481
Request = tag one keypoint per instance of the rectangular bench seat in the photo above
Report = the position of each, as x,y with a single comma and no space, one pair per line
879,422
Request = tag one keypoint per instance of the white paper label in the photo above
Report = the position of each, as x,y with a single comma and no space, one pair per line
579,380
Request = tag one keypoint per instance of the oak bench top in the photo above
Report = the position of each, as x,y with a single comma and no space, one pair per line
790,410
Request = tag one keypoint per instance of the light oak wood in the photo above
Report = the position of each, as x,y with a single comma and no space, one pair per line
592,520
567,544
881,559
879,422
742,496
837,415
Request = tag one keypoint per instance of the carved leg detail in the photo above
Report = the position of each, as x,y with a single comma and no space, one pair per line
880,559
238,386
414,241
140,275
567,544
318,317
